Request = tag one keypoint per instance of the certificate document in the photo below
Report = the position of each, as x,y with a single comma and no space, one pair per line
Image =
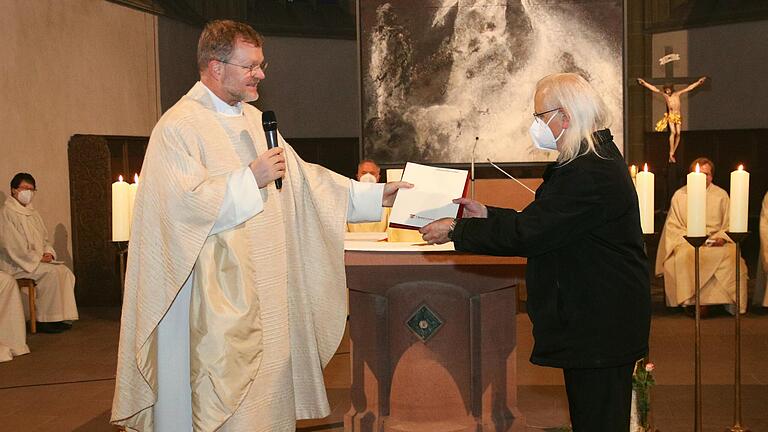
431,197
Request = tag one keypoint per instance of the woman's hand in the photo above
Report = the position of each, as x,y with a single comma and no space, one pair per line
472,208
437,232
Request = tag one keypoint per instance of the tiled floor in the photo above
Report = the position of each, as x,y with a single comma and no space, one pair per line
66,383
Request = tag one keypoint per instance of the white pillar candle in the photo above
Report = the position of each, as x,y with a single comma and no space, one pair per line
132,188
739,200
697,203
645,185
120,226
633,173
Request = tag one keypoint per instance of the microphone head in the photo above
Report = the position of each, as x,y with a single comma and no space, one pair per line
269,120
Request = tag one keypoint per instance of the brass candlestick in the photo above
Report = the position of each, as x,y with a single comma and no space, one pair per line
737,427
647,239
122,255
697,242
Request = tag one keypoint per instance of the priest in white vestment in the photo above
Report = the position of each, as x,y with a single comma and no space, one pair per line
675,256
13,334
26,252
761,285
235,293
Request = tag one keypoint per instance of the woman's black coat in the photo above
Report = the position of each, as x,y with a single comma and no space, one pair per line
587,274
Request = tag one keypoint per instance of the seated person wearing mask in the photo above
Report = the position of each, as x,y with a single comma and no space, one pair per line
13,335
369,172
26,252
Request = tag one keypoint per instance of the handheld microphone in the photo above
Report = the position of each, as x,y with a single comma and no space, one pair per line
269,122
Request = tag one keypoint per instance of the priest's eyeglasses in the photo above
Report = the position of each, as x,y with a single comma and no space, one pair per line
546,112
252,69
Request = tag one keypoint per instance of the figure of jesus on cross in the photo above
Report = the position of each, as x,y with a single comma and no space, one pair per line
673,117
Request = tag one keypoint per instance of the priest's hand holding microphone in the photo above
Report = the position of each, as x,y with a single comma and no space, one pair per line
268,167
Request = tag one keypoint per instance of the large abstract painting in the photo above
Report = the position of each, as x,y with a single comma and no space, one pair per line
441,76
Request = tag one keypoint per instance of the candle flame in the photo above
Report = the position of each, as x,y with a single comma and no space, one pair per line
645,167
741,167
120,177
136,178
698,169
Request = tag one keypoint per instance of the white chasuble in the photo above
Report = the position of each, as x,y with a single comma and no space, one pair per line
267,297
23,241
13,334
675,256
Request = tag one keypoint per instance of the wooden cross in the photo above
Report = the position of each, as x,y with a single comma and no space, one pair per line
670,78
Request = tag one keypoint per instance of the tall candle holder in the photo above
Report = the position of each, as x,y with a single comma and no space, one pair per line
122,255
697,242
649,238
737,427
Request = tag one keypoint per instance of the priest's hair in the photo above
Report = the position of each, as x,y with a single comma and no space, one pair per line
217,41
701,161
583,106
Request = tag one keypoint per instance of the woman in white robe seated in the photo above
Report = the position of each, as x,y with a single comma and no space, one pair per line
13,335
26,252
675,257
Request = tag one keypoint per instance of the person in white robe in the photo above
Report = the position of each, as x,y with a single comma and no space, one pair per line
235,291
761,284
675,256
26,252
368,171
13,334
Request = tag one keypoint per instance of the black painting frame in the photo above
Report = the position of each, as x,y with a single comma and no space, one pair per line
484,170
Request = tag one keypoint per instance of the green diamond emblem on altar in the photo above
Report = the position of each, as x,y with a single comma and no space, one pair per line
424,323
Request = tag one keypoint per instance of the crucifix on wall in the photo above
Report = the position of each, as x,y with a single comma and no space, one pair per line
673,117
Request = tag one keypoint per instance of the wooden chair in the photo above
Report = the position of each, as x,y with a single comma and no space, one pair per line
30,285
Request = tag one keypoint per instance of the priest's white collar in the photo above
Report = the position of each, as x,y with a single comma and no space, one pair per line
222,107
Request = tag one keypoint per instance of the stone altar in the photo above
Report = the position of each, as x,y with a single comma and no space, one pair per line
433,342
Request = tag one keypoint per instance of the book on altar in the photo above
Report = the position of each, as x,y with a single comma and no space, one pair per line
431,198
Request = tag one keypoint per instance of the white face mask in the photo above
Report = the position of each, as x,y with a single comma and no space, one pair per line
25,196
542,136
368,178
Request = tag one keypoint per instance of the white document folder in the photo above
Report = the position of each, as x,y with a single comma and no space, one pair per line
431,197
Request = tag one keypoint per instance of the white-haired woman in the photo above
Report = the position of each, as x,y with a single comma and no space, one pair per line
587,273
